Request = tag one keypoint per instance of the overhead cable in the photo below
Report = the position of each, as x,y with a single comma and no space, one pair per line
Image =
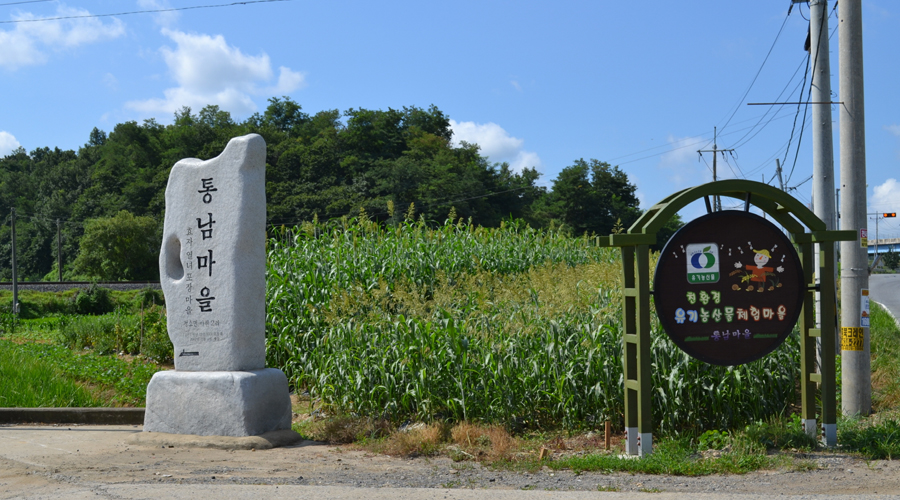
83,16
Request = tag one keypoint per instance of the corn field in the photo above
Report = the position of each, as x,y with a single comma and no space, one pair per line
509,325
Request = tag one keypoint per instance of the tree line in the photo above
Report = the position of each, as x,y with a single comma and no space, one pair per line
109,195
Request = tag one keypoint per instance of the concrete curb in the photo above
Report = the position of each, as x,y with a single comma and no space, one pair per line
87,416
266,441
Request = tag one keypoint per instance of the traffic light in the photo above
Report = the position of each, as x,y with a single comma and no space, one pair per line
891,214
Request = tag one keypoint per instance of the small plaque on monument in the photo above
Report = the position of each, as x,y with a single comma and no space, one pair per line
212,270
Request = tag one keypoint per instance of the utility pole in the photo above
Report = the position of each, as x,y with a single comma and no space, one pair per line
717,201
823,143
15,278
823,162
778,171
58,250
856,368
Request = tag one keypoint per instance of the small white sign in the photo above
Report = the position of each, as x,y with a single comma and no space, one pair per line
864,309
702,262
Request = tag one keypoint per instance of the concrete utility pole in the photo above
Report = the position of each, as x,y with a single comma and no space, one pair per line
823,143
778,171
717,201
856,368
58,250
15,280
823,152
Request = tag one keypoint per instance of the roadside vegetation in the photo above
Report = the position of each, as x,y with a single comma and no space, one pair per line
87,347
403,338
494,345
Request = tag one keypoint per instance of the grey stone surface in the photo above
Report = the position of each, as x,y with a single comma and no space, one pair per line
213,262
232,403
267,441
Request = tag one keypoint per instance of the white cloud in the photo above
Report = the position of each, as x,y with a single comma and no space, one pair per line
496,144
29,42
894,129
7,143
886,197
209,71
161,18
515,85
288,81
111,81
525,159
681,162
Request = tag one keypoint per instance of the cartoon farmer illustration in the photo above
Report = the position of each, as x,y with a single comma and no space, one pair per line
759,271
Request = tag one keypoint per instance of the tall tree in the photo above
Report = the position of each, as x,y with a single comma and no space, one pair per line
123,247
591,196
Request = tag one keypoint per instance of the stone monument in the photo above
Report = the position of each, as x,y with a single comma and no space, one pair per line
213,270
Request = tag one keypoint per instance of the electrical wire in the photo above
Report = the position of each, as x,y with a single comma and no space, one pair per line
809,94
705,142
700,157
247,2
794,127
24,1
804,181
778,98
761,66
725,159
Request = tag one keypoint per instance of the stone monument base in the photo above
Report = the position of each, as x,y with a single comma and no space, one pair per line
239,403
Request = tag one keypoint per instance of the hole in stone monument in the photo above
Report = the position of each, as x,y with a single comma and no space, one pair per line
174,267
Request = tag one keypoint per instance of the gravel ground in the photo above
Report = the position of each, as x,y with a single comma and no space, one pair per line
79,455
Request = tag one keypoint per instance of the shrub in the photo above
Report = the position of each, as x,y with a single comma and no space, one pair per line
119,333
94,300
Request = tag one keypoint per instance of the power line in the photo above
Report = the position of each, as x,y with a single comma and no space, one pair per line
704,142
809,93
768,111
738,105
25,1
248,2
794,127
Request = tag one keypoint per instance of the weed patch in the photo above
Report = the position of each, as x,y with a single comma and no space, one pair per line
124,383
29,379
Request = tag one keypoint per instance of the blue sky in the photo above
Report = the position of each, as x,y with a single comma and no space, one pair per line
638,84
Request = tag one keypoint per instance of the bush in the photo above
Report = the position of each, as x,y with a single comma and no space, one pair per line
147,297
119,333
94,300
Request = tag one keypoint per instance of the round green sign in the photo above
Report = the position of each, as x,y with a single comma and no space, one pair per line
728,287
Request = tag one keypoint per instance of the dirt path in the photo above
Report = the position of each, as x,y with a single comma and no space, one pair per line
84,462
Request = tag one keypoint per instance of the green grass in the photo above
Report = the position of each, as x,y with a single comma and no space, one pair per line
114,382
28,380
873,439
884,335
674,457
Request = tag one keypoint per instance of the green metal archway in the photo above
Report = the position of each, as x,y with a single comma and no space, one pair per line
796,219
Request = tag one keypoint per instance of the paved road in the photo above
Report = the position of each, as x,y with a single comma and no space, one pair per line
885,289
81,462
